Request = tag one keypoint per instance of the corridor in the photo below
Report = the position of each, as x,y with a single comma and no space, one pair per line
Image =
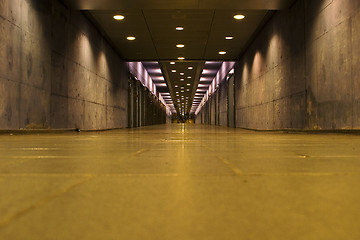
179,181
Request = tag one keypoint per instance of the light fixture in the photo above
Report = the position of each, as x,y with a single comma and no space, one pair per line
229,37
176,85
118,17
188,84
173,70
179,28
239,17
188,77
172,63
190,68
222,52
130,38
181,79
180,45
181,58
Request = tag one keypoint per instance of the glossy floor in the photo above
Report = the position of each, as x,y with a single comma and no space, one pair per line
180,182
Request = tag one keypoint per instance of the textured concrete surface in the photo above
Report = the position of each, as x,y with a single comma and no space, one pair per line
180,182
56,70
302,70
270,77
223,104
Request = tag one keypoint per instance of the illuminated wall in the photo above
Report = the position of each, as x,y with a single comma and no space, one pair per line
57,71
302,71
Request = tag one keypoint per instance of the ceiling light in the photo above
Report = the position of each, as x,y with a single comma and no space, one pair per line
172,63
229,37
182,87
177,92
130,38
180,45
182,79
188,84
182,74
173,70
222,52
179,28
190,68
181,58
188,90
182,91
118,17
239,16
176,85
188,77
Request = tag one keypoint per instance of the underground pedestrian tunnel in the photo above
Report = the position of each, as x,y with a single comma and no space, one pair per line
194,119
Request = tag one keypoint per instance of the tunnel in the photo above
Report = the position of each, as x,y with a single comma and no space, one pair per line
189,120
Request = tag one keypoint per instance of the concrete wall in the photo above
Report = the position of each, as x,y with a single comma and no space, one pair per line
302,70
56,70
223,115
270,78
333,64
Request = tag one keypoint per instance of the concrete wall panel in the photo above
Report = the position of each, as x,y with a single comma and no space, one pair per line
10,97
304,63
57,69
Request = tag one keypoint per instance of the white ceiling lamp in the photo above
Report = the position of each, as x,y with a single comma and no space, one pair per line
179,28
222,52
131,38
239,17
180,45
118,17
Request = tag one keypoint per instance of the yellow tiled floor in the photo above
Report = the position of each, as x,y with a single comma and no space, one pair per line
180,182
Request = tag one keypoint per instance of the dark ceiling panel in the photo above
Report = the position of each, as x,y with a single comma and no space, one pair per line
225,25
196,24
133,25
176,4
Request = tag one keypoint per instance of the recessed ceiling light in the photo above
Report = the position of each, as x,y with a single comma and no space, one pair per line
229,37
188,77
188,90
177,92
182,87
172,63
182,79
181,58
173,70
180,45
222,52
182,91
182,74
176,85
179,28
239,16
188,84
130,38
190,68
118,17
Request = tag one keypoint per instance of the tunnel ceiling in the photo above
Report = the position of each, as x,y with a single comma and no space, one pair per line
153,23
